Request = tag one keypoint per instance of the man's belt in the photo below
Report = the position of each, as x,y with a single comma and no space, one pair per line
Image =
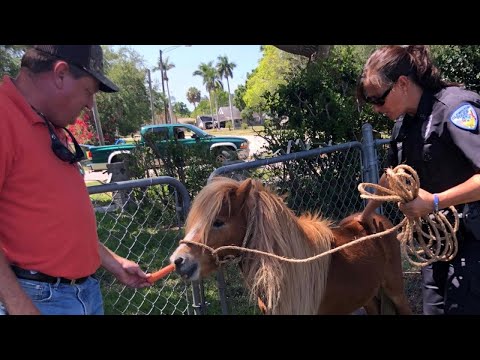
38,276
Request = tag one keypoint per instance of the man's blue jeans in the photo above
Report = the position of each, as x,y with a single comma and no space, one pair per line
64,299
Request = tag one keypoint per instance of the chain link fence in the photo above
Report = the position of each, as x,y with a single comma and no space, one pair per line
142,220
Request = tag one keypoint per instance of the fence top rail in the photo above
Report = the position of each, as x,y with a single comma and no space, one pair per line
282,158
123,185
130,184
379,142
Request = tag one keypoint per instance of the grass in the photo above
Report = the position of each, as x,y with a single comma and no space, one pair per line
238,132
101,199
237,296
93,183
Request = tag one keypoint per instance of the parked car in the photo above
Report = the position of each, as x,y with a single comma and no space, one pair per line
224,147
204,122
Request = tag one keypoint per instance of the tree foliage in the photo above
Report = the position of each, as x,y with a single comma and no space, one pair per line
238,97
319,102
193,96
272,69
459,63
180,109
10,56
203,108
127,110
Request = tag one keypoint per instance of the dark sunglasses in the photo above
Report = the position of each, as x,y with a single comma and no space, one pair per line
60,150
379,100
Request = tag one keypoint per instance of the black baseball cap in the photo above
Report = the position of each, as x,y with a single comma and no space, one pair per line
87,57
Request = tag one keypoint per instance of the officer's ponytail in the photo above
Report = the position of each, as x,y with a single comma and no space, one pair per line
424,72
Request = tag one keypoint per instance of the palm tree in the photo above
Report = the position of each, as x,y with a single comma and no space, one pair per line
217,85
225,69
193,96
208,73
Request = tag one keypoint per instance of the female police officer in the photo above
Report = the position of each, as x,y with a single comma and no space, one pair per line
437,133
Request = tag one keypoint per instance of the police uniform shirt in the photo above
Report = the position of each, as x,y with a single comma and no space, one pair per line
441,142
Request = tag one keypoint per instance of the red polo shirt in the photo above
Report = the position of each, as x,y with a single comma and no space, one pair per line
47,222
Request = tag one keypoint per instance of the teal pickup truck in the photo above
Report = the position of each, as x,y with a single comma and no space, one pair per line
224,147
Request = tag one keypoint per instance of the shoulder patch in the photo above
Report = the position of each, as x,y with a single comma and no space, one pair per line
465,117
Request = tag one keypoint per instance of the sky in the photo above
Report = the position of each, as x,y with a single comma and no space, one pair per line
188,58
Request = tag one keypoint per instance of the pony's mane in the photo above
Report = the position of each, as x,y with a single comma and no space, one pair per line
208,202
285,288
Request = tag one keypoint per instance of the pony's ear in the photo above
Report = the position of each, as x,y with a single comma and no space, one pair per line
243,191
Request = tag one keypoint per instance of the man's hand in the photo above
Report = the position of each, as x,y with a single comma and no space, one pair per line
130,274
23,308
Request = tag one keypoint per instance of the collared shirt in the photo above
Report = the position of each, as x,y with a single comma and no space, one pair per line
47,221
443,154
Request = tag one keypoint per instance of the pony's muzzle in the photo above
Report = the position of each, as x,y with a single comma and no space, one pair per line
184,267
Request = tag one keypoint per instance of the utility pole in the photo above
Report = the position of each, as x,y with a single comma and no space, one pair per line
172,117
163,87
98,125
151,96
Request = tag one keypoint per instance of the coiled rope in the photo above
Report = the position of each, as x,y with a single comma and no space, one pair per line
436,237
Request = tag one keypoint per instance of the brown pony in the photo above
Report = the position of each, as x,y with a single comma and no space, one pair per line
228,212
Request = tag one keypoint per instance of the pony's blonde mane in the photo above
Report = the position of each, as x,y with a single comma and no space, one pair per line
207,204
285,288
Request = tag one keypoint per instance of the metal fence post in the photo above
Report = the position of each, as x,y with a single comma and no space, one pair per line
369,158
119,173
370,175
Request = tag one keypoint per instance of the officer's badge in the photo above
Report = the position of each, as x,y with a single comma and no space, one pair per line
465,117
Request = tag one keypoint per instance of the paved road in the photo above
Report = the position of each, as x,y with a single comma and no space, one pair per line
99,176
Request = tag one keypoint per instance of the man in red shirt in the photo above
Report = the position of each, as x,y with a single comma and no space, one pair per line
49,245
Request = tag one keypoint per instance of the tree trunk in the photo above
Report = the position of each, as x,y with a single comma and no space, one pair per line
230,103
211,107
216,110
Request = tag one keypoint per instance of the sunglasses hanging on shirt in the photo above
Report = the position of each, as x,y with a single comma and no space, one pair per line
60,150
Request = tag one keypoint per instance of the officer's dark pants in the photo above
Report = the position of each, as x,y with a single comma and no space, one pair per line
454,287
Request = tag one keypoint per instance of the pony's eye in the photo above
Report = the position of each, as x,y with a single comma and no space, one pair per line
218,223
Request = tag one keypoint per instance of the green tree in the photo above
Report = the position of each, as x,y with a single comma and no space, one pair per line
202,108
320,102
181,109
225,69
271,72
459,63
211,82
222,97
10,56
238,97
193,96
127,110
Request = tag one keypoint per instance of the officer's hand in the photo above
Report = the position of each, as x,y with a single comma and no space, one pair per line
421,206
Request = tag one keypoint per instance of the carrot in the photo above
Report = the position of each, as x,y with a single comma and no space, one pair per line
157,275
